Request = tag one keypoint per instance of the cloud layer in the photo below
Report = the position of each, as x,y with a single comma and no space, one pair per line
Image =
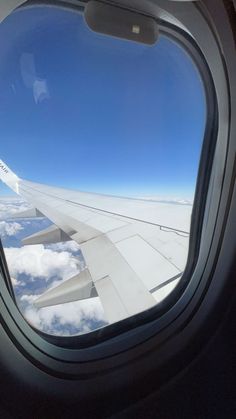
10,206
36,268
38,262
65,319
9,229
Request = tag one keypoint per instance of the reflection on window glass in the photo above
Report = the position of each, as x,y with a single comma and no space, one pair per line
119,126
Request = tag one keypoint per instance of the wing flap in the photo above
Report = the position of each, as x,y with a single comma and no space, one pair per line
104,259
113,307
149,265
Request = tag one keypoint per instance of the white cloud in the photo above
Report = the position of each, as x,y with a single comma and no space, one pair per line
170,199
29,298
76,314
10,206
52,261
37,261
70,246
15,282
9,229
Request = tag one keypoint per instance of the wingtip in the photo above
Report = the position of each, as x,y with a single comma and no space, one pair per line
9,177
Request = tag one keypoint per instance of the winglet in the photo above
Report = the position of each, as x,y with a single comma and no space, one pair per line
8,177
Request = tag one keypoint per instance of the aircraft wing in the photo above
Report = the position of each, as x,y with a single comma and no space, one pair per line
132,247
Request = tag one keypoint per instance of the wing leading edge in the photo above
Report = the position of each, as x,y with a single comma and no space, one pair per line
130,246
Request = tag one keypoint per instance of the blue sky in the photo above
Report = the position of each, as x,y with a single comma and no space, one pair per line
90,112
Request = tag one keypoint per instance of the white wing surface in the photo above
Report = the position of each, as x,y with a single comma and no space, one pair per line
132,247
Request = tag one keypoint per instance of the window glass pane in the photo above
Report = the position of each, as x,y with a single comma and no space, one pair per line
119,126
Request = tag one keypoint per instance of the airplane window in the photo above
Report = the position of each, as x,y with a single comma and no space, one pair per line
108,135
